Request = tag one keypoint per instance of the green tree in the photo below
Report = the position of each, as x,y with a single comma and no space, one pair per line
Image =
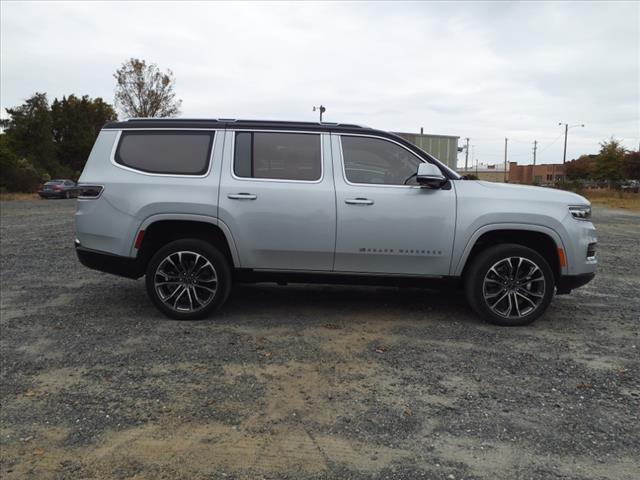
28,131
16,174
41,142
581,168
76,123
631,165
608,165
142,90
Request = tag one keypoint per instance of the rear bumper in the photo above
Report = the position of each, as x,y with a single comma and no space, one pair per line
106,262
566,283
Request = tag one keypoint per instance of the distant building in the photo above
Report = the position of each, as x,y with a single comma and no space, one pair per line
488,172
544,174
443,147
539,174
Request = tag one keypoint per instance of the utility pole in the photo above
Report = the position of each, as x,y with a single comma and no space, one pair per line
466,156
566,131
535,147
505,159
564,155
322,109
473,151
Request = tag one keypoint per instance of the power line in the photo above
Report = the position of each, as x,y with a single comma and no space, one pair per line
554,141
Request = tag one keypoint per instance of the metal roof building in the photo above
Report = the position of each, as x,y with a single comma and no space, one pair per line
443,147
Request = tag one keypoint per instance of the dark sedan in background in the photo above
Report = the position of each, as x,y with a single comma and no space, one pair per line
58,189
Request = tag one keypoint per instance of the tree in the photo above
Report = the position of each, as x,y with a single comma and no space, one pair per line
28,131
631,165
144,91
41,142
76,123
16,175
609,161
580,168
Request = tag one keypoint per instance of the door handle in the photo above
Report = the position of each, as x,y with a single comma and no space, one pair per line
242,196
358,201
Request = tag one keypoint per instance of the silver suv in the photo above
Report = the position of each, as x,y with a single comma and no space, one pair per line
196,205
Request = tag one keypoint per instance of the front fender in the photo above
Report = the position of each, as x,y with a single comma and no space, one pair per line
465,251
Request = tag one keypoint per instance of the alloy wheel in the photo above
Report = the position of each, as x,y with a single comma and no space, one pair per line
514,287
186,281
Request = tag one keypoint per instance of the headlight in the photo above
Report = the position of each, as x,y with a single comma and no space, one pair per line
580,212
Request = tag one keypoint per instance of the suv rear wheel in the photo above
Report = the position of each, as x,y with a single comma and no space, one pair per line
509,285
188,279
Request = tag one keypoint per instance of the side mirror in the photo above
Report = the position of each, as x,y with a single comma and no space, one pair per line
430,176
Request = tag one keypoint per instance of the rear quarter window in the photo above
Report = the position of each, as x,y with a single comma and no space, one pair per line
168,152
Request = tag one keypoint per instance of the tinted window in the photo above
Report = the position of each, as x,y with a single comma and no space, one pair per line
185,153
282,156
372,160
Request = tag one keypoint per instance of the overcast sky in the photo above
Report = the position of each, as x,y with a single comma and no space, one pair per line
479,70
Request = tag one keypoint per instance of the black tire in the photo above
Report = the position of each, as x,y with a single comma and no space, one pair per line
221,271
538,293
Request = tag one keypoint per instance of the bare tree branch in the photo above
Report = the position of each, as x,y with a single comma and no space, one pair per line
144,91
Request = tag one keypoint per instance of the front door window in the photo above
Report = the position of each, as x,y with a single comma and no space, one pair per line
379,162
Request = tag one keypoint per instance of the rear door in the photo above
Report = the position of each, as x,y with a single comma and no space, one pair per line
386,223
277,198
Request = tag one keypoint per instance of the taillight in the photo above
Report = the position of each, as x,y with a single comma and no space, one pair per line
89,191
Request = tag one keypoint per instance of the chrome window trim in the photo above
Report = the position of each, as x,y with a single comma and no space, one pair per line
114,148
353,184
252,179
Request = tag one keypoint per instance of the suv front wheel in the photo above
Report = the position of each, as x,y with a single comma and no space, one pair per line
509,285
188,279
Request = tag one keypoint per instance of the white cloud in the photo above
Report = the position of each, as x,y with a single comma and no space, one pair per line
483,70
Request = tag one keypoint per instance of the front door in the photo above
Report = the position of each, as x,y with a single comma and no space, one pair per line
386,223
277,198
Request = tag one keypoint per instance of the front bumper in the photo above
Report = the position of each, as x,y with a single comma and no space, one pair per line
105,262
566,283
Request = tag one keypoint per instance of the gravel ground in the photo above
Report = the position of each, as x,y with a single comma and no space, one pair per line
309,382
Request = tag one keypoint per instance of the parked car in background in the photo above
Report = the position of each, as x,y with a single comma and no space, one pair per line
62,188
631,186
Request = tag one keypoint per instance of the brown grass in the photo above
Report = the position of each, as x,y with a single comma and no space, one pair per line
18,196
613,199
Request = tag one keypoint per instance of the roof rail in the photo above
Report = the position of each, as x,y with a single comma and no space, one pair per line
236,120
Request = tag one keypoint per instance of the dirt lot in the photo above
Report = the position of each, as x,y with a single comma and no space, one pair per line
309,382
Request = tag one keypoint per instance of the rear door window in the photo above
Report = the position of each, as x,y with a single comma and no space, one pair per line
278,156
168,152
